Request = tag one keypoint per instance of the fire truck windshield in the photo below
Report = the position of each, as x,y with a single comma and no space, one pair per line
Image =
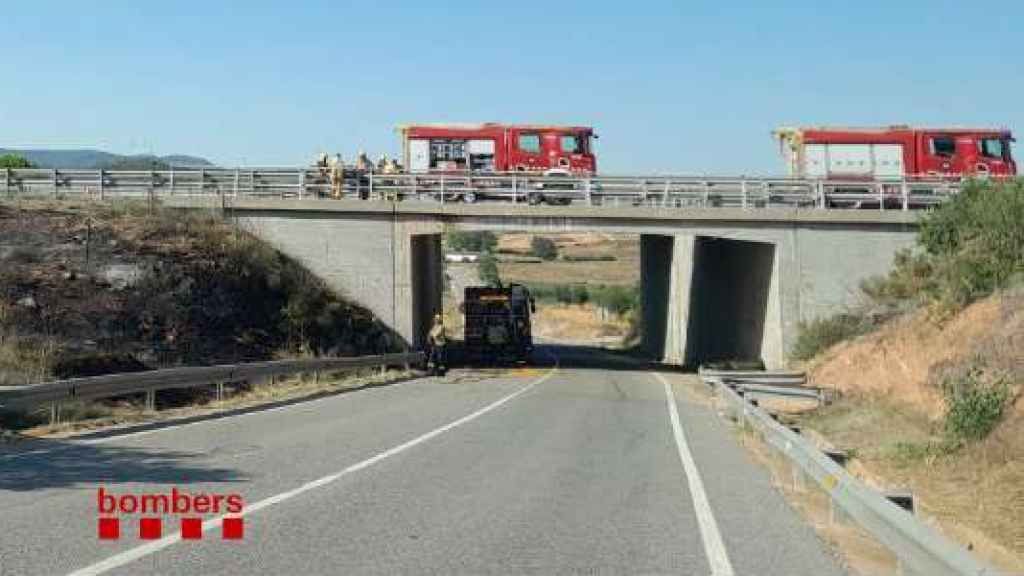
992,148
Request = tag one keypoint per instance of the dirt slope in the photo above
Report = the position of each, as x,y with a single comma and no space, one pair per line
892,410
905,359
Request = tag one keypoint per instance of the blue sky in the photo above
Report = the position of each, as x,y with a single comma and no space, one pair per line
685,87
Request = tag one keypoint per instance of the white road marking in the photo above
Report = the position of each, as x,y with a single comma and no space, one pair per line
144,550
718,558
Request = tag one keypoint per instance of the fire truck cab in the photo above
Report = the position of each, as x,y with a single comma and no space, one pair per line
896,152
489,147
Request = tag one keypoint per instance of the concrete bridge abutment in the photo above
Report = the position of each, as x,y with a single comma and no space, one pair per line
392,265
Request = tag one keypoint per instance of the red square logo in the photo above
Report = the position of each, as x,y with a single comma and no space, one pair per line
232,528
191,528
150,528
109,528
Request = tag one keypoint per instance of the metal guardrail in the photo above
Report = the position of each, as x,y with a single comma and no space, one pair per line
919,549
795,391
666,191
188,377
756,375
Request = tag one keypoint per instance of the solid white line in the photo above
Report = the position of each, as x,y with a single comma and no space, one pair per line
713,545
133,554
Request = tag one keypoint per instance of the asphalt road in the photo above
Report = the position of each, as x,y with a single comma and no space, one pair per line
576,469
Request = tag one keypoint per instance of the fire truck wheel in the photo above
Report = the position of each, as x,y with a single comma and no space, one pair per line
535,198
469,197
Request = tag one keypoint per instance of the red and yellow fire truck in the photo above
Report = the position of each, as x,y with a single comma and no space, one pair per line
489,147
896,152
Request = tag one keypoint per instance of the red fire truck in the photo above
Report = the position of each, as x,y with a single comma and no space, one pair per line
490,147
896,152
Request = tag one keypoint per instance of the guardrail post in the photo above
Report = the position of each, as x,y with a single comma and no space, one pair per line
54,413
236,183
7,182
881,196
905,193
172,180
743,193
836,514
515,191
799,477
202,181
820,188
707,194
54,182
220,392
369,193
302,183
150,401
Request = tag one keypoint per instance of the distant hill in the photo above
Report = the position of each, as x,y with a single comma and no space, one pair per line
99,159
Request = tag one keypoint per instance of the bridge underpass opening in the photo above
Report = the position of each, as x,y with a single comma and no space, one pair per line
586,289
728,299
426,277
705,298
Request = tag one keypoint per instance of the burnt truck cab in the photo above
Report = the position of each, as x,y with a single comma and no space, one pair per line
491,147
498,323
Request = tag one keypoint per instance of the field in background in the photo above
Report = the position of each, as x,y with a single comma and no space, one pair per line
603,263
623,270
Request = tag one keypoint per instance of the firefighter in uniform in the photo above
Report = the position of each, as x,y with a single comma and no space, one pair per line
437,342
337,176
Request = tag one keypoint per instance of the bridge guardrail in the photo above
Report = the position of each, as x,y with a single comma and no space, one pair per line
919,548
665,191
187,377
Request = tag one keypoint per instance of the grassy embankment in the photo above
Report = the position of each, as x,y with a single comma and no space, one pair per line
88,289
931,367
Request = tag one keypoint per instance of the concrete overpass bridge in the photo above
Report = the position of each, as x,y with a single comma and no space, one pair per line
716,282
730,266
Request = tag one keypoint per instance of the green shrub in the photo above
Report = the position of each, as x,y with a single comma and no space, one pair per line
617,299
969,247
543,248
14,161
487,270
912,452
973,407
821,334
471,241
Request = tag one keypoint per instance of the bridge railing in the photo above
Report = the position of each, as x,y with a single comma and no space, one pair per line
665,191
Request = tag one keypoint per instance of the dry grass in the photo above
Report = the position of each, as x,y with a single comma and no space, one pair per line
577,324
862,554
623,271
891,417
79,417
975,494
